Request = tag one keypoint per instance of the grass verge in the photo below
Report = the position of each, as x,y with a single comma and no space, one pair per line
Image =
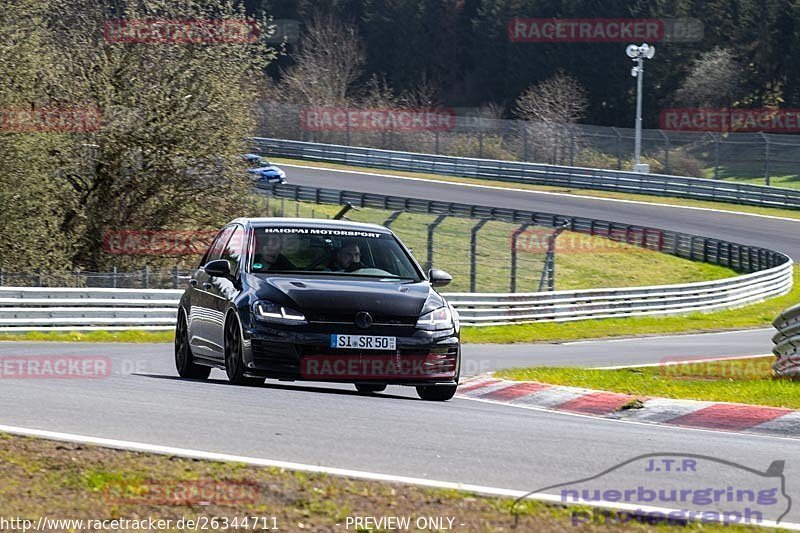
582,261
758,315
91,336
74,481
740,381
668,200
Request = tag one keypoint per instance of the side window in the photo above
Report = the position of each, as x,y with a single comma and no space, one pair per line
216,248
233,251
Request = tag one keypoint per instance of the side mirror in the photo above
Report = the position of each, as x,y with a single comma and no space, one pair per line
439,278
219,268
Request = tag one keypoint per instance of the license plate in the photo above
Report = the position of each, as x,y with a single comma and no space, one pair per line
363,342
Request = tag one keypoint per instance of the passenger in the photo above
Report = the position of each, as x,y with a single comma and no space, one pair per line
269,257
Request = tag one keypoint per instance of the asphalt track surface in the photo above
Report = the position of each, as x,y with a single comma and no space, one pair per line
463,441
776,234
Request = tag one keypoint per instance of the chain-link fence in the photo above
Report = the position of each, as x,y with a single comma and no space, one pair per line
144,278
772,159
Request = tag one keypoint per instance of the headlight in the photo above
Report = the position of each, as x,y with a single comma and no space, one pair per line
271,312
437,319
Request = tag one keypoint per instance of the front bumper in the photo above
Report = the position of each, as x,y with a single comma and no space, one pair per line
304,353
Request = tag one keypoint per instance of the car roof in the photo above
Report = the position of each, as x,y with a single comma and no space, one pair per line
310,223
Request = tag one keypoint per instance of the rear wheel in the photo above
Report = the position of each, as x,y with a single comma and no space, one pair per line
370,387
184,363
234,365
436,393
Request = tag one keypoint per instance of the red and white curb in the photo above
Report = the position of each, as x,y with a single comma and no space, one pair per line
719,416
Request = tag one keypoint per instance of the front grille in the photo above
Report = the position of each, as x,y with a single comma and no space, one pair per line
349,318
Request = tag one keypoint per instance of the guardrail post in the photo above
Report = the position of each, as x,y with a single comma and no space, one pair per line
431,230
473,252
1,276
766,158
145,277
437,141
514,237
114,277
571,131
524,140
666,151
716,155
619,148
388,222
175,277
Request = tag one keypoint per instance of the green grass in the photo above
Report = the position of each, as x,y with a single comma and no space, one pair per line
90,336
760,314
58,479
582,261
740,381
668,200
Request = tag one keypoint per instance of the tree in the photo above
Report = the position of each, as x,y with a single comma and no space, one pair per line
549,108
175,118
712,81
327,64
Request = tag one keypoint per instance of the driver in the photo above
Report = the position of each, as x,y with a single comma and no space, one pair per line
347,258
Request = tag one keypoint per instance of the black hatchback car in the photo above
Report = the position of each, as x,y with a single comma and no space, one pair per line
318,300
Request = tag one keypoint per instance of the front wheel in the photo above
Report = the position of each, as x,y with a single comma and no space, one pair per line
437,393
234,365
186,367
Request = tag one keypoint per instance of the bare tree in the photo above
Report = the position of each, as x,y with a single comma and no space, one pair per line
557,100
713,80
329,60
548,109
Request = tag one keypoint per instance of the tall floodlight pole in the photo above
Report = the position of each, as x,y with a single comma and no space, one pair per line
638,54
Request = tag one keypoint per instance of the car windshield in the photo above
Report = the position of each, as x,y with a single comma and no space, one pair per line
330,251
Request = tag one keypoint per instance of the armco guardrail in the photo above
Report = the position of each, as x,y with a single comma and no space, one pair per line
537,174
787,343
35,309
47,308
767,273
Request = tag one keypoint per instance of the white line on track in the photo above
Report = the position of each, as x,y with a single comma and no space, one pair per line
673,360
548,193
357,474
676,336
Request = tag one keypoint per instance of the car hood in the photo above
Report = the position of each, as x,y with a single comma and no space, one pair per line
345,295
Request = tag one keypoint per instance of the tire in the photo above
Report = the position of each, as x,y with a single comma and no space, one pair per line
437,393
234,365
369,388
184,363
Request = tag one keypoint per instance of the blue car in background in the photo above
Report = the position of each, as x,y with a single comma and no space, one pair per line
262,171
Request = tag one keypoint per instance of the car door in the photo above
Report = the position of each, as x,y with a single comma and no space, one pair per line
202,304
224,290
